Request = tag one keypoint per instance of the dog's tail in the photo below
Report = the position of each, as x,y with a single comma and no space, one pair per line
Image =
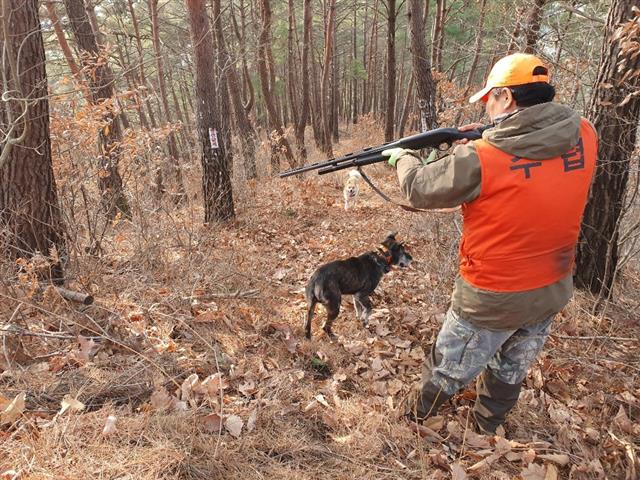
354,174
312,301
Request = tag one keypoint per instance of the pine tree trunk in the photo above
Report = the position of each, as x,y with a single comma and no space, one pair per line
391,71
532,29
101,83
277,138
29,210
614,110
216,178
66,50
164,97
246,132
305,102
425,86
437,34
143,76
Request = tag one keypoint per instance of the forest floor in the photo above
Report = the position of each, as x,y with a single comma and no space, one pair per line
192,362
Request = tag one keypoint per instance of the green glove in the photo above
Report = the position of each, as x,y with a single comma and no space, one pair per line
395,154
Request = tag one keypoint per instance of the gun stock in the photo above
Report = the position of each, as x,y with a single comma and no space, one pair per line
367,156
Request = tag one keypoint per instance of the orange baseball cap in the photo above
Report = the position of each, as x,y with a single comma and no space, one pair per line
512,70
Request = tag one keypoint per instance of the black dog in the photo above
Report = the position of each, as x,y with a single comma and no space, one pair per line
357,276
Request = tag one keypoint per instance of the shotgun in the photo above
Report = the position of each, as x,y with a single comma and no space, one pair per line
441,138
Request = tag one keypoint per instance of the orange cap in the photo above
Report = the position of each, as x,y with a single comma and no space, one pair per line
512,70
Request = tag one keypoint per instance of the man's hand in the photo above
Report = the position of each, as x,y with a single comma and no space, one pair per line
395,154
466,128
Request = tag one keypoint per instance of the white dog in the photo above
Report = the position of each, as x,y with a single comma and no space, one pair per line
351,189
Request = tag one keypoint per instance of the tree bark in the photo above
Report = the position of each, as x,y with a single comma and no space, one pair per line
614,110
29,210
143,76
327,146
437,35
216,178
532,29
66,50
164,97
246,132
277,138
305,102
425,86
101,83
391,71
291,66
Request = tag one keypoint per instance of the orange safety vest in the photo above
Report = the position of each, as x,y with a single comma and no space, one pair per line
521,232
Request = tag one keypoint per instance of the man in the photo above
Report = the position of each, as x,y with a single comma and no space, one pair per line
523,189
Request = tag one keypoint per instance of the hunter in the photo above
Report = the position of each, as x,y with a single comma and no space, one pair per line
523,188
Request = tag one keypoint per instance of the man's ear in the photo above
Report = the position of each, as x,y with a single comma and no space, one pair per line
511,102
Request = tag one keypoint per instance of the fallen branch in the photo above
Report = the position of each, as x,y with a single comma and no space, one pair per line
74,296
253,293
597,337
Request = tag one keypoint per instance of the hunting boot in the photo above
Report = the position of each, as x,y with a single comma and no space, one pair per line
494,400
426,401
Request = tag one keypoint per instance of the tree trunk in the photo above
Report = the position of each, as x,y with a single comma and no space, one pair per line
164,97
425,86
327,146
66,51
614,110
101,84
29,210
304,106
437,34
477,48
277,138
391,71
291,67
143,77
532,29
246,131
216,179
406,107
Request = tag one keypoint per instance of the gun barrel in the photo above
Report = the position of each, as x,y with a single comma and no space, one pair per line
369,155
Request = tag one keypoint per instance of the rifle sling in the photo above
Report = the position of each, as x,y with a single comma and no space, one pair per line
385,197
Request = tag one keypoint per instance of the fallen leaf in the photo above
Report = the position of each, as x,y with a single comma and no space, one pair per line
160,399
552,473
557,458
376,364
484,464
234,424
213,384
434,423
529,456
382,330
320,398
187,387
251,421
621,420
458,472
88,348
212,423
71,404
534,471
110,426
290,342
247,388
13,409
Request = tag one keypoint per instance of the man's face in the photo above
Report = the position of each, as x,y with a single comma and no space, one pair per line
499,101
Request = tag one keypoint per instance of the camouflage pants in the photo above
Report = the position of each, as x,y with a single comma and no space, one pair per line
464,351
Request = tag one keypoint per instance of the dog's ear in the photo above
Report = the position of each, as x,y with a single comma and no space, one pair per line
391,235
